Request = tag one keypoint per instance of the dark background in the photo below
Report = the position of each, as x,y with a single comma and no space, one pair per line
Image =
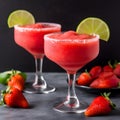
66,12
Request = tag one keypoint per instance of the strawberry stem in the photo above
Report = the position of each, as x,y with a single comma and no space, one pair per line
13,72
115,63
106,96
2,98
8,89
109,63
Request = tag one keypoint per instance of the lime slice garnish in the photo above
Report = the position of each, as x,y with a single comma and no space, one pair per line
20,17
93,25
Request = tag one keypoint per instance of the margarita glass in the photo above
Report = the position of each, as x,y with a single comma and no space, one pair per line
71,51
31,38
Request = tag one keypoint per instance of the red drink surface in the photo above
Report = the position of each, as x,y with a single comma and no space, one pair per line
71,50
31,37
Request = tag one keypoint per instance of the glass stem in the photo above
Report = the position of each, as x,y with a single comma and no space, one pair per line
39,79
72,100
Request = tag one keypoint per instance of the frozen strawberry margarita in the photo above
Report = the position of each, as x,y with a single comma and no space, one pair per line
71,50
30,37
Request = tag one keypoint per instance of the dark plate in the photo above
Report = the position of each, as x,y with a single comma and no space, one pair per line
95,90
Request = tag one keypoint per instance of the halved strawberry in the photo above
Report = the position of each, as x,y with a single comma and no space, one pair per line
106,80
95,71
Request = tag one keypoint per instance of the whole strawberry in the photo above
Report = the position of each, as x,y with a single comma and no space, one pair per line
101,105
13,97
17,81
84,79
117,70
108,68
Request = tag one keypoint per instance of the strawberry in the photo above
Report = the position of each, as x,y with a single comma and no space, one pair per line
106,74
105,80
13,97
17,81
117,70
95,71
101,105
84,79
107,68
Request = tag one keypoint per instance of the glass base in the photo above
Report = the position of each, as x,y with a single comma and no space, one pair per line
38,90
61,107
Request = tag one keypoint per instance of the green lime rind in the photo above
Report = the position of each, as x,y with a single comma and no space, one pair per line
93,25
20,17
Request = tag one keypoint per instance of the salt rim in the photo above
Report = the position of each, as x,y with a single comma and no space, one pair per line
47,37
23,29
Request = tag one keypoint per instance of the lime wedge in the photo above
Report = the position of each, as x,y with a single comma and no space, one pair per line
93,25
20,17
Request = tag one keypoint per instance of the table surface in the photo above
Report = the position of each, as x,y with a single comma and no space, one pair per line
42,104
